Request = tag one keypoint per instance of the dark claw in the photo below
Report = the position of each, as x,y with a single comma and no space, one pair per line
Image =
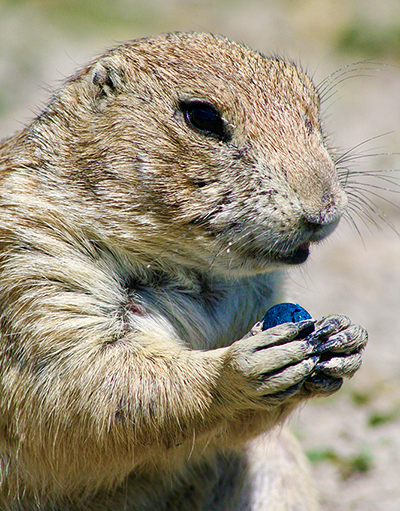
321,384
307,327
284,394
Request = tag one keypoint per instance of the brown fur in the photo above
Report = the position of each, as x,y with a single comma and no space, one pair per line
136,254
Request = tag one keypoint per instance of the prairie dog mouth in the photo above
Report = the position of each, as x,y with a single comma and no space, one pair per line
297,256
265,259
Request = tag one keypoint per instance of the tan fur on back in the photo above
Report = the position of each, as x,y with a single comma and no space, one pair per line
137,253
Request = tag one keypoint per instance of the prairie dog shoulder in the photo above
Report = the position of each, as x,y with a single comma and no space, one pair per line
145,220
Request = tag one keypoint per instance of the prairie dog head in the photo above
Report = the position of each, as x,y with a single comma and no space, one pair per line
191,149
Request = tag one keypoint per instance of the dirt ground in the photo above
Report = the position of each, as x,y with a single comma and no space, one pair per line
352,438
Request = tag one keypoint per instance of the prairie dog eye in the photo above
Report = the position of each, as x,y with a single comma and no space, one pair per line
204,117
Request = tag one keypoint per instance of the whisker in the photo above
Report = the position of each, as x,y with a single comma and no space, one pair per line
350,220
356,185
380,197
353,158
221,245
379,175
343,157
370,209
367,217
363,205
346,73
364,221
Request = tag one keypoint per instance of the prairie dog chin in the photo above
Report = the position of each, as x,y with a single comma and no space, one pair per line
145,219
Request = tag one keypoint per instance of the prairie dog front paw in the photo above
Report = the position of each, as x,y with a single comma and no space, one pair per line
339,344
271,365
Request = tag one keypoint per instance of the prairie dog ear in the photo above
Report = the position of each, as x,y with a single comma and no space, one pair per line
108,77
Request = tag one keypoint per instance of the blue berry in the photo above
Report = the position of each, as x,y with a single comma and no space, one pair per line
287,313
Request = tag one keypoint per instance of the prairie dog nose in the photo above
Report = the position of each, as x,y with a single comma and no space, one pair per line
328,210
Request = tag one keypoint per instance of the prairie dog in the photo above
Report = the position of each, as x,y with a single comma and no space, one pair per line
146,220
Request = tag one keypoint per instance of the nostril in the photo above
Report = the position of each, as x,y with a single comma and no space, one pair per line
327,211
327,199
326,206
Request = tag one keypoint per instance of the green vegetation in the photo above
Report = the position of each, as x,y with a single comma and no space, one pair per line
78,16
348,466
361,397
380,418
370,40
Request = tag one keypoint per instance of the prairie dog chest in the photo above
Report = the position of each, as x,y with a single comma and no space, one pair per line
205,312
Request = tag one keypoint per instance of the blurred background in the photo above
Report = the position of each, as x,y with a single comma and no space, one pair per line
353,438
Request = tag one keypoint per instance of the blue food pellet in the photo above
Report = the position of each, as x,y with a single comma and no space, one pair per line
287,313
